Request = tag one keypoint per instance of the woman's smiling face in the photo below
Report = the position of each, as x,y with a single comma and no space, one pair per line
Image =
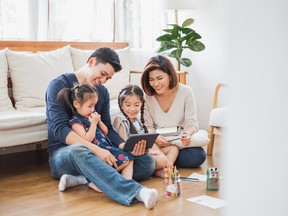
159,81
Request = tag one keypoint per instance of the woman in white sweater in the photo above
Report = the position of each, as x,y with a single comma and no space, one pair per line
168,104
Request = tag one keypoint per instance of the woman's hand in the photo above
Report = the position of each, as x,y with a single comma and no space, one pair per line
185,139
139,148
161,141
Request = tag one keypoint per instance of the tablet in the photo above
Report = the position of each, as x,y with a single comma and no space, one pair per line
134,138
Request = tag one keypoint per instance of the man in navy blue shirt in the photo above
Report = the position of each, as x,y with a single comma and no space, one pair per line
71,154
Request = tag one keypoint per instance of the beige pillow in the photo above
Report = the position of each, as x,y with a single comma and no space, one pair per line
119,80
5,102
31,74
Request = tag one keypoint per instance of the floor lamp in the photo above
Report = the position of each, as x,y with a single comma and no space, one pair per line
177,5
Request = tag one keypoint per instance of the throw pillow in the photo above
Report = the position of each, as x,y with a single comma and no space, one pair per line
5,102
31,74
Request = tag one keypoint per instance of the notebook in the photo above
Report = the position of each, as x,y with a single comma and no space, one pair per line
169,131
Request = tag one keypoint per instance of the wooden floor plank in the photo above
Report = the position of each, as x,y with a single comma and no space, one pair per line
27,188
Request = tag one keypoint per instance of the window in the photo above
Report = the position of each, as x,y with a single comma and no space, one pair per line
74,20
14,20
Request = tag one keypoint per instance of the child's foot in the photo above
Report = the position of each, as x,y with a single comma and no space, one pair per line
91,185
160,173
67,181
148,197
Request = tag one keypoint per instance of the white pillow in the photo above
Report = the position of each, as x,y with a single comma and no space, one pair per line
31,74
199,139
119,80
5,102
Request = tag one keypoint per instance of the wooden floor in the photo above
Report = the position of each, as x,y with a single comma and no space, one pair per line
27,188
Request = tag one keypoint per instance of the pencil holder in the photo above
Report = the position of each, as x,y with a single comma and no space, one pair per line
172,184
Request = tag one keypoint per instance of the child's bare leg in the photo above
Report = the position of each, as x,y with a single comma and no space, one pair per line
160,161
171,153
127,172
122,166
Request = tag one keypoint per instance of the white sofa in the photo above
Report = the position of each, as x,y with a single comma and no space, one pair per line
24,121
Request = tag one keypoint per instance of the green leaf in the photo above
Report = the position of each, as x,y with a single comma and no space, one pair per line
167,30
187,30
188,22
185,61
165,47
192,38
165,37
176,53
196,36
172,43
175,32
197,46
188,36
174,25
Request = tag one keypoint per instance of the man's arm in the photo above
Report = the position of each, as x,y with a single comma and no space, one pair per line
58,118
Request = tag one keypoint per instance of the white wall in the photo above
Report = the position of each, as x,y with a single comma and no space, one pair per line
257,146
209,66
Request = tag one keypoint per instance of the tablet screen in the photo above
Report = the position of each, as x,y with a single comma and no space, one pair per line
134,138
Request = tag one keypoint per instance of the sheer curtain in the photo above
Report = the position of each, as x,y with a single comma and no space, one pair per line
23,19
74,20
93,20
137,21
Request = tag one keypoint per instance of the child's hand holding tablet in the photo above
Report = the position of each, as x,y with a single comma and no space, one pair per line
135,138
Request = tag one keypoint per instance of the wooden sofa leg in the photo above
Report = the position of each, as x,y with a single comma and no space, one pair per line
211,142
38,147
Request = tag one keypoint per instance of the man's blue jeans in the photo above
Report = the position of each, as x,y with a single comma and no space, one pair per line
78,160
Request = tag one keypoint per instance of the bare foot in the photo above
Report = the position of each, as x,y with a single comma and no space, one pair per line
91,185
160,173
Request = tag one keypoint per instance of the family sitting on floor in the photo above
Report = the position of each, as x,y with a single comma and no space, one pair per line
85,147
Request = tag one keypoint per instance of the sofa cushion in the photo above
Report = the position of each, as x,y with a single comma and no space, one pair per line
22,127
119,80
18,119
5,102
114,109
198,139
218,117
31,74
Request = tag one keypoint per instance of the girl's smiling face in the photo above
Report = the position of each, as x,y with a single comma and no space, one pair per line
131,106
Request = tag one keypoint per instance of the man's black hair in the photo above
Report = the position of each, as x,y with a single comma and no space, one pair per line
107,55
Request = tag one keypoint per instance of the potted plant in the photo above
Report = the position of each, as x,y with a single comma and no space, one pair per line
178,38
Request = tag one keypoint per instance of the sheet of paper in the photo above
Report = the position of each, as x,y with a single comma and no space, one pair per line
198,176
208,201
